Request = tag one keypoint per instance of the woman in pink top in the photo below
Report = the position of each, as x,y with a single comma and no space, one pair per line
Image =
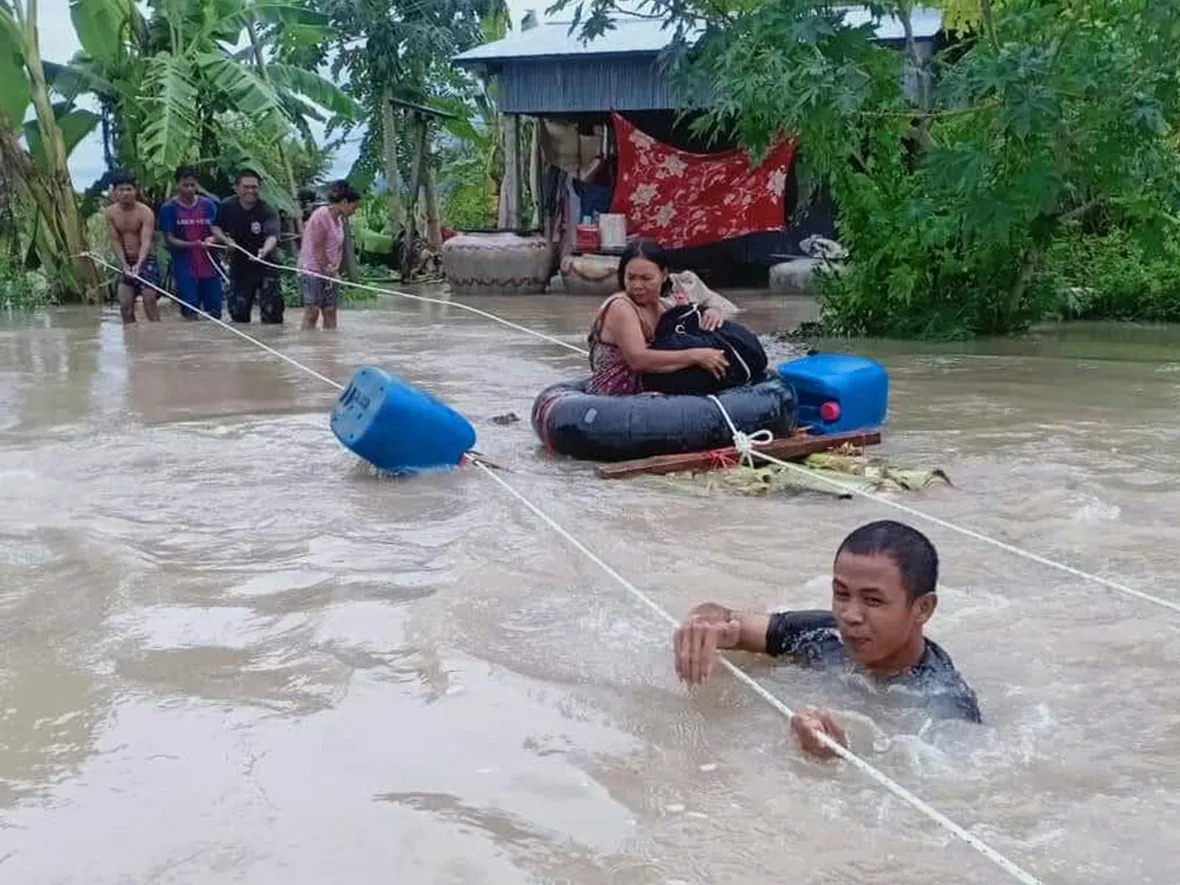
320,253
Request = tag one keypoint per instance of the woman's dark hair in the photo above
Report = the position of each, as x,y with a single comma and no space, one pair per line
642,248
342,192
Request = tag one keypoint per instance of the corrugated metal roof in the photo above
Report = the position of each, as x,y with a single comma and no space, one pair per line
629,36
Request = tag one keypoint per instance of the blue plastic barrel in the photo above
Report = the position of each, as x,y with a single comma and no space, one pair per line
398,428
838,393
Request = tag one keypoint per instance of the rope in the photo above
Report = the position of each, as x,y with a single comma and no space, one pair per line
744,442
746,446
394,292
1009,866
294,362
836,747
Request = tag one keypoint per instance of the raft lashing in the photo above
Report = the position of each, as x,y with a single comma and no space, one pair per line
398,428
827,394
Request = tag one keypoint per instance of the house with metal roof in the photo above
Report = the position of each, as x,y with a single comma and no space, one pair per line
550,70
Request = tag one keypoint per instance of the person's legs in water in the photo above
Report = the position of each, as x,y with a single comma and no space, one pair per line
329,296
150,272
209,296
270,299
186,290
241,298
309,294
127,291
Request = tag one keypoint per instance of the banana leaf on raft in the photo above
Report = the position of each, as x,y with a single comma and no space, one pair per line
832,473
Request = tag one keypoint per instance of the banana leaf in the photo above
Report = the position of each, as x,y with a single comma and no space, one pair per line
830,473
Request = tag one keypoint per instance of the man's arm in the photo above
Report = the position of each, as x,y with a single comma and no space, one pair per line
116,238
215,225
710,627
147,235
270,227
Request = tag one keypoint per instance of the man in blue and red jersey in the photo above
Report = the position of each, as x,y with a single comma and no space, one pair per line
187,224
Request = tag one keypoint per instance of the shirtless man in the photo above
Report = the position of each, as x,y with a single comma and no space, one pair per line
133,236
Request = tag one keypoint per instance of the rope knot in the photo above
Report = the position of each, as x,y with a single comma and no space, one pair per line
742,441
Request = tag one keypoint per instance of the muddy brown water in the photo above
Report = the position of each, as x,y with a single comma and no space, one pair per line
231,654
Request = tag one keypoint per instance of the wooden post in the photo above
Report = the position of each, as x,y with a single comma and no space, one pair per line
518,174
510,185
420,124
536,184
430,194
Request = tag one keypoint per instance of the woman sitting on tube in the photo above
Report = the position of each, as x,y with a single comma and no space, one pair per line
623,329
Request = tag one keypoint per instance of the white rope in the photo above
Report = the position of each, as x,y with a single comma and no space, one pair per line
746,444
839,749
394,292
99,260
836,747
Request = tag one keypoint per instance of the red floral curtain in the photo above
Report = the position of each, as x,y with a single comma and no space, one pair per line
684,199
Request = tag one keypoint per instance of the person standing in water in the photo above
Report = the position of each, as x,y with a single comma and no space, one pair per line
132,227
249,222
187,223
883,592
321,252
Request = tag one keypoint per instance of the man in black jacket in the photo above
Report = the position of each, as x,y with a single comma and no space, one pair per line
247,221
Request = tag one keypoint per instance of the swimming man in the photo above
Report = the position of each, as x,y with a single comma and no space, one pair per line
883,593
132,228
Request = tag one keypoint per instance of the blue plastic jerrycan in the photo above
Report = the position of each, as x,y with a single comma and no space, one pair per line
838,393
398,428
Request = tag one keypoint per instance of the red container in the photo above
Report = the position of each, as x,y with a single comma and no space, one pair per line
586,238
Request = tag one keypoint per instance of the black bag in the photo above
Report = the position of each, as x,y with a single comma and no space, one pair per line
680,329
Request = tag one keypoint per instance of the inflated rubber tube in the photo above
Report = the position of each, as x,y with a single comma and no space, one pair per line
571,422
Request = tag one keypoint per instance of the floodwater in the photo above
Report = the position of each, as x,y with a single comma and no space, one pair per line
230,654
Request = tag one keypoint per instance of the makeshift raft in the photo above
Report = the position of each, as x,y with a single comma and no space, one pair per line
789,448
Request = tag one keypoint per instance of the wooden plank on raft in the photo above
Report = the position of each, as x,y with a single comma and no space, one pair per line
786,448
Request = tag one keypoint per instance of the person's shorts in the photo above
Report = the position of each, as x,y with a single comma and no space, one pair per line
318,293
148,271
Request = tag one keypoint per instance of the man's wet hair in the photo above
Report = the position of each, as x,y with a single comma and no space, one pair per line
911,551
185,172
247,173
123,176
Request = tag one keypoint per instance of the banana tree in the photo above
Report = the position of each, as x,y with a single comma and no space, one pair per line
39,176
171,80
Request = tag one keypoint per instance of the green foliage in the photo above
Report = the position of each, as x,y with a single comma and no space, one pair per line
21,289
1113,276
1042,116
174,88
464,197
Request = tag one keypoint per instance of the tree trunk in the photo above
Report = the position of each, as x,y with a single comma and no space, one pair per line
64,218
349,262
433,225
393,176
292,185
420,125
